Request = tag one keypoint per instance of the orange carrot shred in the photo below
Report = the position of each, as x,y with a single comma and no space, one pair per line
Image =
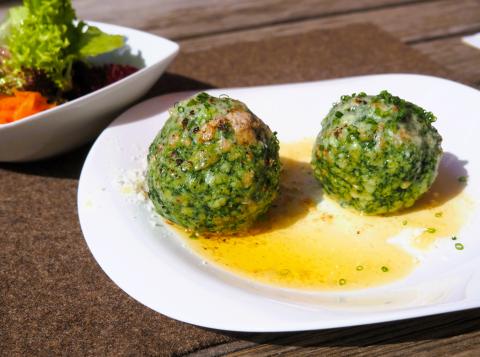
21,104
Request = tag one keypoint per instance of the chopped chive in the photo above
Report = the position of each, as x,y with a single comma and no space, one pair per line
431,230
405,222
342,281
202,97
462,179
439,214
459,246
454,238
384,269
338,114
359,267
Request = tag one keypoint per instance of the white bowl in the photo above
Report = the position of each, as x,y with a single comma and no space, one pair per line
74,123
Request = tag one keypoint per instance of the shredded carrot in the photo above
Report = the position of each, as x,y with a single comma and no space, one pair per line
21,104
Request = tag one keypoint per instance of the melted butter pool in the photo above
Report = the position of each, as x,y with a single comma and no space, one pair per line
306,241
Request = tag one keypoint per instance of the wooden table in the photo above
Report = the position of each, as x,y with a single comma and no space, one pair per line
434,28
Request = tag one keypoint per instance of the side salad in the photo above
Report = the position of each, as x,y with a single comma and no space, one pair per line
44,53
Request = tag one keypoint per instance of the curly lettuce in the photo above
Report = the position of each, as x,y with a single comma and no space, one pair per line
44,36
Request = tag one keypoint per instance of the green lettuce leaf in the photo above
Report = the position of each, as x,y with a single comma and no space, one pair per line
14,18
94,42
43,35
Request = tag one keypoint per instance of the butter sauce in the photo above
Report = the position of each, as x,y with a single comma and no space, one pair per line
306,241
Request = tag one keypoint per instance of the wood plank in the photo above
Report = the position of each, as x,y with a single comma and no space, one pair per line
455,55
450,334
413,22
406,19
179,18
187,18
193,18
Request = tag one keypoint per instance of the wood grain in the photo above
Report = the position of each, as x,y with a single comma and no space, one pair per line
177,18
407,19
410,23
449,334
192,18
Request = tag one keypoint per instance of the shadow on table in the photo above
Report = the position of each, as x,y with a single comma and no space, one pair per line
69,165
411,330
170,83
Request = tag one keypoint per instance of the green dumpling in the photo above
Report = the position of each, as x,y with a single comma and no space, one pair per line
214,166
376,154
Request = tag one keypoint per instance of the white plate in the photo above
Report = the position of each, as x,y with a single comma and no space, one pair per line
72,124
150,263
